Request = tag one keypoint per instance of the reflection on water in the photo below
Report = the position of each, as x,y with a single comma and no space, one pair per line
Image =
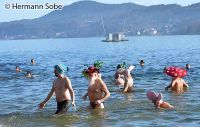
19,96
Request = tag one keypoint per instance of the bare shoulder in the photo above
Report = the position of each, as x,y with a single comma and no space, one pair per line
101,82
54,82
67,80
182,80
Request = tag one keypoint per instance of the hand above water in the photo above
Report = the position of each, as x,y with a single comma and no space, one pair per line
98,102
73,104
41,105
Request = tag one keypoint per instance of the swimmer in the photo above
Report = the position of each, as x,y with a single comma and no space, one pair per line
29,74
156,98
119,78
128,84
187,66
142,62
177,83
62,89
17,69
97,89
32,61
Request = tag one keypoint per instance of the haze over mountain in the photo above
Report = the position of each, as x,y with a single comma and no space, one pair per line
83,19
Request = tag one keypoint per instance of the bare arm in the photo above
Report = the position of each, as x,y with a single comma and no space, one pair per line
185,84
170,85
104,89
71,91
125,85
51,92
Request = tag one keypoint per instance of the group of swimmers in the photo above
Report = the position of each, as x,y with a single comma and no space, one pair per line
98,92
178,85
28,73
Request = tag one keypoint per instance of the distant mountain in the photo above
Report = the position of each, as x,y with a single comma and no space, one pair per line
83,19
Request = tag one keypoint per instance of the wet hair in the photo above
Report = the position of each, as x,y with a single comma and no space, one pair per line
164,69
119,66
141,61
187,66
28,72
32,60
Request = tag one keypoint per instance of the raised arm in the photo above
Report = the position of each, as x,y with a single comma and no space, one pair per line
51,92
71,91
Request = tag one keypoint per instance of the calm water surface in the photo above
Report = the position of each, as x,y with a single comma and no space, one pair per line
20,96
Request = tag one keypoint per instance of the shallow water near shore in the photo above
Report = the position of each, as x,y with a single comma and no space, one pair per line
19,96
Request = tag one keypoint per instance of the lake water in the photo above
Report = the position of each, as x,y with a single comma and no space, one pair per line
19,96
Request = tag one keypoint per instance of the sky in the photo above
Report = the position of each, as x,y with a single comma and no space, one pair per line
12,14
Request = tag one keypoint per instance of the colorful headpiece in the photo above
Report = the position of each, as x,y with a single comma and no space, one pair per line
92,69
121,66
175,71
61,68
98,64
153,96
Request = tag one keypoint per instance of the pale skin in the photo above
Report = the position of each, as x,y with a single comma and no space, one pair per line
128,80
97,91
29,75
162,104
17,69
177,85
62,89
128,84
32,61
119,79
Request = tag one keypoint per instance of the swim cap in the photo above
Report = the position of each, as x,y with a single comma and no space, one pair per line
61,68
154,96
175,71
98,64
121,66
90,70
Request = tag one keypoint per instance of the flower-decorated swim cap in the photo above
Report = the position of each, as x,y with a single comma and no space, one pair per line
92,69
175,71
121,66
153,96
98,64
